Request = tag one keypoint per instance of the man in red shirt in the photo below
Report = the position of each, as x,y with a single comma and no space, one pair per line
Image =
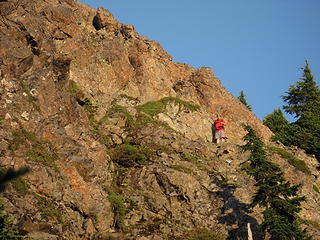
218,125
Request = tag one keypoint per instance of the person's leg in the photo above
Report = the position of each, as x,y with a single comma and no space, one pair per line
222,136
218,136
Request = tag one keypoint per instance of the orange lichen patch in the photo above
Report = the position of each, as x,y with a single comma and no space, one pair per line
77,183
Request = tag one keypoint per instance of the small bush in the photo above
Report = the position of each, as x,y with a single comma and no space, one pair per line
153,108
118,109
315,187
33,148
128,155
20,185
6,230
182,168
188,157
119,208
49,209
143,120
292,160
73,88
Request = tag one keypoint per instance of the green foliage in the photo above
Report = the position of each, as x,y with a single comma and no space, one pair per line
20,186
73,88
33,148
303,101
6,230
153,108
303,96
297,163
182,168
279,125
128,155
119,208
143,120
49,209
315,188
243,100
279,197
118,109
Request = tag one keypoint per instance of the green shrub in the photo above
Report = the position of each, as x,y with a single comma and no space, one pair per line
20,185
315,187
119,208
49,209
118,109
292,160
182,168
189,157
33,148
73,88
6,230
128,155
153,108
143,120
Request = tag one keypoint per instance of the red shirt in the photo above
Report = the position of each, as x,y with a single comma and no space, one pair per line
219,124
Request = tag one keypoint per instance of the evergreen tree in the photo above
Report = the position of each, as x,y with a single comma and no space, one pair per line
242,99
303,96
304,103
280,126
279,197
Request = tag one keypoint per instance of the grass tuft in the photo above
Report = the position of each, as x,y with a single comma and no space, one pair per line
153,108
292,160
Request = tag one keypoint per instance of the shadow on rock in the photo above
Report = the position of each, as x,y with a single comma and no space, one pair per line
235,214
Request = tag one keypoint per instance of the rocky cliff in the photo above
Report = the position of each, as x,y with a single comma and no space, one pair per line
118,137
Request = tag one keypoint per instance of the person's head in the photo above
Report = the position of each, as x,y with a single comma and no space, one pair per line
218,116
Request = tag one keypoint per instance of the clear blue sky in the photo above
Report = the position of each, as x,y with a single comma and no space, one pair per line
254,46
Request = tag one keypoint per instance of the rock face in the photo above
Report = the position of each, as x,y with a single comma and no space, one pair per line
118,137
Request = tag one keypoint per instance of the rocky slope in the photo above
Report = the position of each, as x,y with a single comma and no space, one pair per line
118,137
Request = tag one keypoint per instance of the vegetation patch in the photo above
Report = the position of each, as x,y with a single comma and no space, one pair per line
128,155
292,160
6,230
153,108
315,187
143,120
33,148
196,160
118,109
182,168
73,88
119,208
20,185
49,209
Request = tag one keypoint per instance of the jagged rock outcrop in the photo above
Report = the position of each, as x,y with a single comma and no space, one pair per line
118,137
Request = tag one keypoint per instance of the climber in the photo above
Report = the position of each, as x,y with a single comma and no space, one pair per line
218,125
